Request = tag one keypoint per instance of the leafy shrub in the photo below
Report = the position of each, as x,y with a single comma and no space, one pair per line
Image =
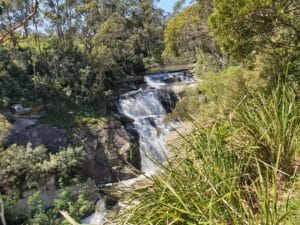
219,91
4,128
78,206
24,167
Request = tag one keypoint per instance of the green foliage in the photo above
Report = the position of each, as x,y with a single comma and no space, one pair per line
68,162
109,51
205,100
19,165
206,62
272,120
77,206
177,29
186,32
293,204
89,46
210,182
14,82
13,15
72,116
233,82
35,204
4,128
27,167
246,29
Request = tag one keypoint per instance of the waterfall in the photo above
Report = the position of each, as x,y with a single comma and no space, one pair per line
148,109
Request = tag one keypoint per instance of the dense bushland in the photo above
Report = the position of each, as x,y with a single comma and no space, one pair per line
75,51
70,57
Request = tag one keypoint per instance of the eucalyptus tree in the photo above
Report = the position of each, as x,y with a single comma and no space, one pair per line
149,22
187,32
247,29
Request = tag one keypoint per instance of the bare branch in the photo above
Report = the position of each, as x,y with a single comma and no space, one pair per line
4,37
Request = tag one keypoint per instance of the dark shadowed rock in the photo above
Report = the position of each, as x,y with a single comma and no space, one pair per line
124,119
168,100
27,131
111,152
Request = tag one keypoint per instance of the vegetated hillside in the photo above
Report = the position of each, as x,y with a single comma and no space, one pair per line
240,163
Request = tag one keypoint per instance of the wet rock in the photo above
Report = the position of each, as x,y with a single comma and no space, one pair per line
124,119
168,100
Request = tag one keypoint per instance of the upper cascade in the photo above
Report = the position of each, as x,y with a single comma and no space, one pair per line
160,80
142,103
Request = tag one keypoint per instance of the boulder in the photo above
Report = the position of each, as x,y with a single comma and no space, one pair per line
168,99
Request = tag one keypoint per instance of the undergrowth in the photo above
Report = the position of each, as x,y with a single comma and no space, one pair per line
70,116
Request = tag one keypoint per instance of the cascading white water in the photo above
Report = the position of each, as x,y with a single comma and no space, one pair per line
160,80
146,108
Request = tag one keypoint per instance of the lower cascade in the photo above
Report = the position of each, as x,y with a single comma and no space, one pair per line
147,108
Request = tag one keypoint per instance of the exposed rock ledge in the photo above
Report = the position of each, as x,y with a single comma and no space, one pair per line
112,153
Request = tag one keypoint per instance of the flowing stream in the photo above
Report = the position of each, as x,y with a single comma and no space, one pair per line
148,107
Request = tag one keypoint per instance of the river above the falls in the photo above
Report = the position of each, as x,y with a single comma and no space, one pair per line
147,107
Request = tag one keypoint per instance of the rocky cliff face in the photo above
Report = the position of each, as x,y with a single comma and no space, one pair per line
112,153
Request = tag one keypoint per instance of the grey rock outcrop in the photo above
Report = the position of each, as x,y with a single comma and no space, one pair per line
26,131
112,153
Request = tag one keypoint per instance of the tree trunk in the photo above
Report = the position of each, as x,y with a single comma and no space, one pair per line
2,212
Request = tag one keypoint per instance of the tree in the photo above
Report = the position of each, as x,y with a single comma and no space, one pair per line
188,31
246,28
10,22
2,214
24,167
148,24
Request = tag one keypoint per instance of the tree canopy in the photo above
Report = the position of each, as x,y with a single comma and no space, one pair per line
246,28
